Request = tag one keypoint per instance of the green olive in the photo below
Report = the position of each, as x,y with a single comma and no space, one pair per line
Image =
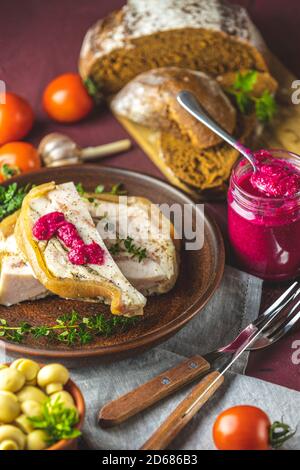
24,424
31,393
52,377
31,408
11,433
63,397
28,368
11,380
37,440
9,407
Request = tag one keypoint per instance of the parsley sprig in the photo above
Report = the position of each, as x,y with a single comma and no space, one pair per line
264,106
130,247
70,329
11,198
57,421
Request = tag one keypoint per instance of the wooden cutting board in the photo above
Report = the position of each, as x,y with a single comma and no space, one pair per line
283,132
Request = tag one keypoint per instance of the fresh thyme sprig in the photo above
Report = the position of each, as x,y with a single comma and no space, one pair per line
130,247
264,106
70,329
117,189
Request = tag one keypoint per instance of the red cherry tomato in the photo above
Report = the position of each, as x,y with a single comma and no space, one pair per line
242,428
18,157
65,99
16,118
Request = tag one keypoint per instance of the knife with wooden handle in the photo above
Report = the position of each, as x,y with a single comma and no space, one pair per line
184,412
117,411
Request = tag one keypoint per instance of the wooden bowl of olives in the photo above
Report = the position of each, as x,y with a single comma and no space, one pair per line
41,408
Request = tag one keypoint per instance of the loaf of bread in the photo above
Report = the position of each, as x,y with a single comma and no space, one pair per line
211,36
150,99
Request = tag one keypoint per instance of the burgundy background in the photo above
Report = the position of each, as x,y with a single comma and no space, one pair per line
39,40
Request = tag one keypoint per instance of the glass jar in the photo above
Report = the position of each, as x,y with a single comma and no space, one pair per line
264,232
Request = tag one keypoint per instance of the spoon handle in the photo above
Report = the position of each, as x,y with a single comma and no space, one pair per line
188,101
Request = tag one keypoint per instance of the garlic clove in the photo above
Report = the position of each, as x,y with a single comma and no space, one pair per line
57,149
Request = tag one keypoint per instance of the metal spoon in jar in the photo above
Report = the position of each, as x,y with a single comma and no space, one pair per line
188,101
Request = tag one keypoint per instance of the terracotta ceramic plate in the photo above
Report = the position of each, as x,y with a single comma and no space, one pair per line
200,274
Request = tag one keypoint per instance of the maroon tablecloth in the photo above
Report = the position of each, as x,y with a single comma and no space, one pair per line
39,40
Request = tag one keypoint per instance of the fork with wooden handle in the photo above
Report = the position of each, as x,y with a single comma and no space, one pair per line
163,385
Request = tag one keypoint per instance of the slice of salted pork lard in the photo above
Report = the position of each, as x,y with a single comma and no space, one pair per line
130,226
49,259
17,280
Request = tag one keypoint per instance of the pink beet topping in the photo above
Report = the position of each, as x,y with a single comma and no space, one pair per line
47,225
55,224
68,234
275,177
264,226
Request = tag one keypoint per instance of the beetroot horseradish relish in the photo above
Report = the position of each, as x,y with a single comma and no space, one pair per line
264,215
54,224
274,177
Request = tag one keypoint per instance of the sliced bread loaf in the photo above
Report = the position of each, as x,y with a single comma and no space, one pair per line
214,37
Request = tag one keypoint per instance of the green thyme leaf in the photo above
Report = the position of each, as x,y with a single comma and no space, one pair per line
80,189
99,189
130,247
118,189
